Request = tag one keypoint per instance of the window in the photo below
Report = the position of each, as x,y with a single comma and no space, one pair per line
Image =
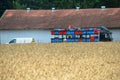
13,41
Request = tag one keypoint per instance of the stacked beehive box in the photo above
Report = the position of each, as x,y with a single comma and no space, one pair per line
76,35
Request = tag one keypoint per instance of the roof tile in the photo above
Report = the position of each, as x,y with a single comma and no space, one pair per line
44,19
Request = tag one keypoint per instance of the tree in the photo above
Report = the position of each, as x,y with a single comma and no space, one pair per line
17,5
5,4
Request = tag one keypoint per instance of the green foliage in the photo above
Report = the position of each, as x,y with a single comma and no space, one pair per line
5,4
17,5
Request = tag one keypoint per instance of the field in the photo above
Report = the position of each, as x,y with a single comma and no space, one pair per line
62,61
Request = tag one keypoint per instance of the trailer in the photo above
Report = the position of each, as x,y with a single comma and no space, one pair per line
81,34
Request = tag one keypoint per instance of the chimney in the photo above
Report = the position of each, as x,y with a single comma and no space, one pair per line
77,8
53,9
28,9
103,7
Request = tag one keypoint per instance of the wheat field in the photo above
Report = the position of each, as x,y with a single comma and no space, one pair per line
60,61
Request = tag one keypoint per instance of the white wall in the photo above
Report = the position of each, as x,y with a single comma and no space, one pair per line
43,36
38,35
115,34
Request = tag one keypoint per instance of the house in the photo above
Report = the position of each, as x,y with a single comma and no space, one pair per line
38,23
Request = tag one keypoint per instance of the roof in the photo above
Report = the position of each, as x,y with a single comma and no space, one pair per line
46,19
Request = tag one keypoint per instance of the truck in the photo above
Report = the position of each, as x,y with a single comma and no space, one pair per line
21,40
81,34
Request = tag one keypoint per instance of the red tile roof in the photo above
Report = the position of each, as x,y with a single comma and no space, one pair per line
45,19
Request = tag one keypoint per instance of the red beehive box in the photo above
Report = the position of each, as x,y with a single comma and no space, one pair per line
78,32
64,32
80,39
61,32
92,38
52,32
97,31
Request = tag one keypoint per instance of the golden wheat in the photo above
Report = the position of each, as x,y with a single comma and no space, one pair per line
61,61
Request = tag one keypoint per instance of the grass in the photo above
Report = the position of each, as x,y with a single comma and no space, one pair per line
61,61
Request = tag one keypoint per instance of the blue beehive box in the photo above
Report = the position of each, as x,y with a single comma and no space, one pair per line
91,29
84,32
52,40
83,29
56,32
90,32
76,40
96,39
70,32
59,40
88,39
83,40
72,40
56,40
68,40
